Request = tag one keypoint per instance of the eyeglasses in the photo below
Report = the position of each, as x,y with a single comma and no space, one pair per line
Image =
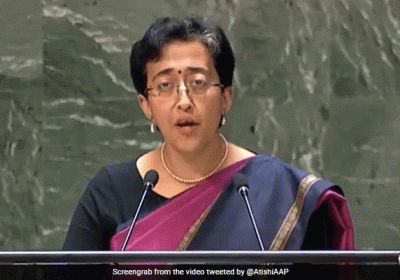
197,87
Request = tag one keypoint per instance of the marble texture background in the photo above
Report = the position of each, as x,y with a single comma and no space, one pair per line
317,84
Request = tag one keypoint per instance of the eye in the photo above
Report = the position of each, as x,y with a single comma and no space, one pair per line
164,86
198,83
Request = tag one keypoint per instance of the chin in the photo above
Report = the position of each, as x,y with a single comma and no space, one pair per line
187,145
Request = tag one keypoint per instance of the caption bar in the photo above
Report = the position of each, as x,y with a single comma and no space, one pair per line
201,272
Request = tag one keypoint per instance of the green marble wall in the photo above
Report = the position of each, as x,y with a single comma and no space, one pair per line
317,84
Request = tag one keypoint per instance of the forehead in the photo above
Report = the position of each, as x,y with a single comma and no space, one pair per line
181,56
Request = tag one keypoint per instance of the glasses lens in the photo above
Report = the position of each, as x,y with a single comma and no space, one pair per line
198,86
195,86
165,89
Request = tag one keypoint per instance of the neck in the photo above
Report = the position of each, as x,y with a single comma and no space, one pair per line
196,163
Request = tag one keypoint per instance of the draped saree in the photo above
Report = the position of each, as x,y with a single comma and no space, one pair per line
294,210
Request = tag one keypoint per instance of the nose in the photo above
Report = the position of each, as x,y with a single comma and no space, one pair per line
184,101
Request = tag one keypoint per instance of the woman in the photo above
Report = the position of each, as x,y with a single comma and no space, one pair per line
182,70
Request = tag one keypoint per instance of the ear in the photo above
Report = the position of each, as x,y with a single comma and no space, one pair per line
144,105
227,95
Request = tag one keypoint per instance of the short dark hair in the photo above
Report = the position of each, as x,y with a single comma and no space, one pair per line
166,30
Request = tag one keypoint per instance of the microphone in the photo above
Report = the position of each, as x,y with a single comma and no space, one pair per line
240,182
149,181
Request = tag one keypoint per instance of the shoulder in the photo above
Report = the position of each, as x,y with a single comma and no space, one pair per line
264,164
112,178
266,170
120,169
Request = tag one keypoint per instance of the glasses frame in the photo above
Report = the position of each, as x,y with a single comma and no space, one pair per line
186,86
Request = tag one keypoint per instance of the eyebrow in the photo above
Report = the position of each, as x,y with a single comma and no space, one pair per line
163,72
198,69
190,69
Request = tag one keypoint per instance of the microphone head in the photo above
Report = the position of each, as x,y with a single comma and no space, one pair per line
240,182
151,178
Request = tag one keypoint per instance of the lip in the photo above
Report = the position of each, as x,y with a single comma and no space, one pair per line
186,122
188,130
187,126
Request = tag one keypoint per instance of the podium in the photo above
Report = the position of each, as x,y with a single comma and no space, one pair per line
200,257
43,265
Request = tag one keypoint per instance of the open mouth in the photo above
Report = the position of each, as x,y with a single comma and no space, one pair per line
186,123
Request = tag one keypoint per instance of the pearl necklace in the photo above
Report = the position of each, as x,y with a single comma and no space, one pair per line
194,181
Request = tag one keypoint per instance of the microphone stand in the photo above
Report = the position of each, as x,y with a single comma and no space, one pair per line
243,190
150,180
128,235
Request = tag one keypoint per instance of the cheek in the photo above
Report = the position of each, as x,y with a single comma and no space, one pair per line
213,110
166,116
160,113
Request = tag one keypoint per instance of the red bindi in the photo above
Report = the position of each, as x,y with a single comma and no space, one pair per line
179,71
